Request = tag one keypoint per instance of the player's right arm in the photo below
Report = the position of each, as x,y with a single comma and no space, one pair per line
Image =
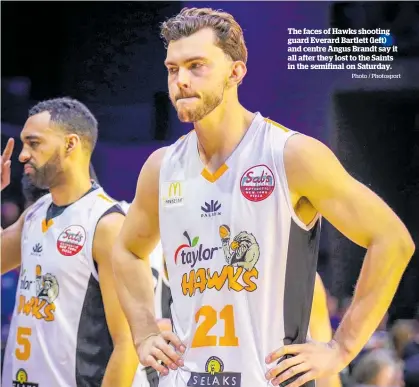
137,239
11,236
10,245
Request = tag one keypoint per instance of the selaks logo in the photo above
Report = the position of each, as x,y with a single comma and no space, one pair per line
37,249
211,209
215,375
22,379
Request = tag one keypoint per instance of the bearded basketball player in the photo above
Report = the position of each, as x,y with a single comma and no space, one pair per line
68,328
237,204
145,376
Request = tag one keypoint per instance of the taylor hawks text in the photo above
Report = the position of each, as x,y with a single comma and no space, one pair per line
377,76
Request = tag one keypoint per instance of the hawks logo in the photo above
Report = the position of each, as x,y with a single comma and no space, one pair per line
243,251
41,306
241,255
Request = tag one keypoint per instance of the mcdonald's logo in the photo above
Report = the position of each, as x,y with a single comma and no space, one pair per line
175,189
172,193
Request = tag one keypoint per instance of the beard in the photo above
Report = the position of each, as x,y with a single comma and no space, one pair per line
201,107
46,176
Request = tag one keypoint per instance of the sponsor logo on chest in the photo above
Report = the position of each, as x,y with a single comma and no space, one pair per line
172,193
211,209
71,241
257,183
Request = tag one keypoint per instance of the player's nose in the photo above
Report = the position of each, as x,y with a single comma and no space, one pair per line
24,155
183,79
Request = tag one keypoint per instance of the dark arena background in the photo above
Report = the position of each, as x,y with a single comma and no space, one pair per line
109,56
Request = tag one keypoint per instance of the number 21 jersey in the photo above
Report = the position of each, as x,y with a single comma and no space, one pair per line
241,264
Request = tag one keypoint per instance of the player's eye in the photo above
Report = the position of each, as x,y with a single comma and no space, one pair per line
33,144
195,66
172,70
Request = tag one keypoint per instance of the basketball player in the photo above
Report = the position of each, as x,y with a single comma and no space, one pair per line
145,376
68,328
237,204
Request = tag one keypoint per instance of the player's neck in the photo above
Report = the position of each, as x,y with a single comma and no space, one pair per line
76,184
220,132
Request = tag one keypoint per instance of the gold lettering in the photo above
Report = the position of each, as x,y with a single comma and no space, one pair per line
48,310
233,277
36,308
247,279
203,279
188,283
28,306
216,280
21,305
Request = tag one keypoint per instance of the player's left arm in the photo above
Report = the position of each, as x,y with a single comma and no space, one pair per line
124,361
314,172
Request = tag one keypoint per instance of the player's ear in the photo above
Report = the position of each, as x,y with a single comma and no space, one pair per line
71,143
238,72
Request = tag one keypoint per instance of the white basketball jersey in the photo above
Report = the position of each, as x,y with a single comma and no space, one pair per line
241,264
59,336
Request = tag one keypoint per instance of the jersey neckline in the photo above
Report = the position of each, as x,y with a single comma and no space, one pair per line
213,177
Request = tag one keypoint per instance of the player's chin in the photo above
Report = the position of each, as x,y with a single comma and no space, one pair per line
185,116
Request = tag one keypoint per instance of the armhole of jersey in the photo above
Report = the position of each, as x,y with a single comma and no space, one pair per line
92,263
279,161
165,273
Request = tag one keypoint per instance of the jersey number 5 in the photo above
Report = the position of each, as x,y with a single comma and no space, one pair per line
202,339
22,339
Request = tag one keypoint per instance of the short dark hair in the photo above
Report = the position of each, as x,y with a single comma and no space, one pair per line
229,34
72,116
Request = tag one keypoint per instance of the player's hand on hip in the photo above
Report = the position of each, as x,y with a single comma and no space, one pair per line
301,363
162,352
6,162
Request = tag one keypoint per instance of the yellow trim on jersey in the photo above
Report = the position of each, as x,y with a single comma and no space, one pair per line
213,177
182,137
46,225
277,125
104,197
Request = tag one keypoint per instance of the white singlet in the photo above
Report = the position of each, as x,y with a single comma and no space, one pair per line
241,264
59,335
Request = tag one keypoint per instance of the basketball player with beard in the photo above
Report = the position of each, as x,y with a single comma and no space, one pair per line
247,317
145,376
68,328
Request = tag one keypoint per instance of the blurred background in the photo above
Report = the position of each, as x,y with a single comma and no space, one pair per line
109,56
